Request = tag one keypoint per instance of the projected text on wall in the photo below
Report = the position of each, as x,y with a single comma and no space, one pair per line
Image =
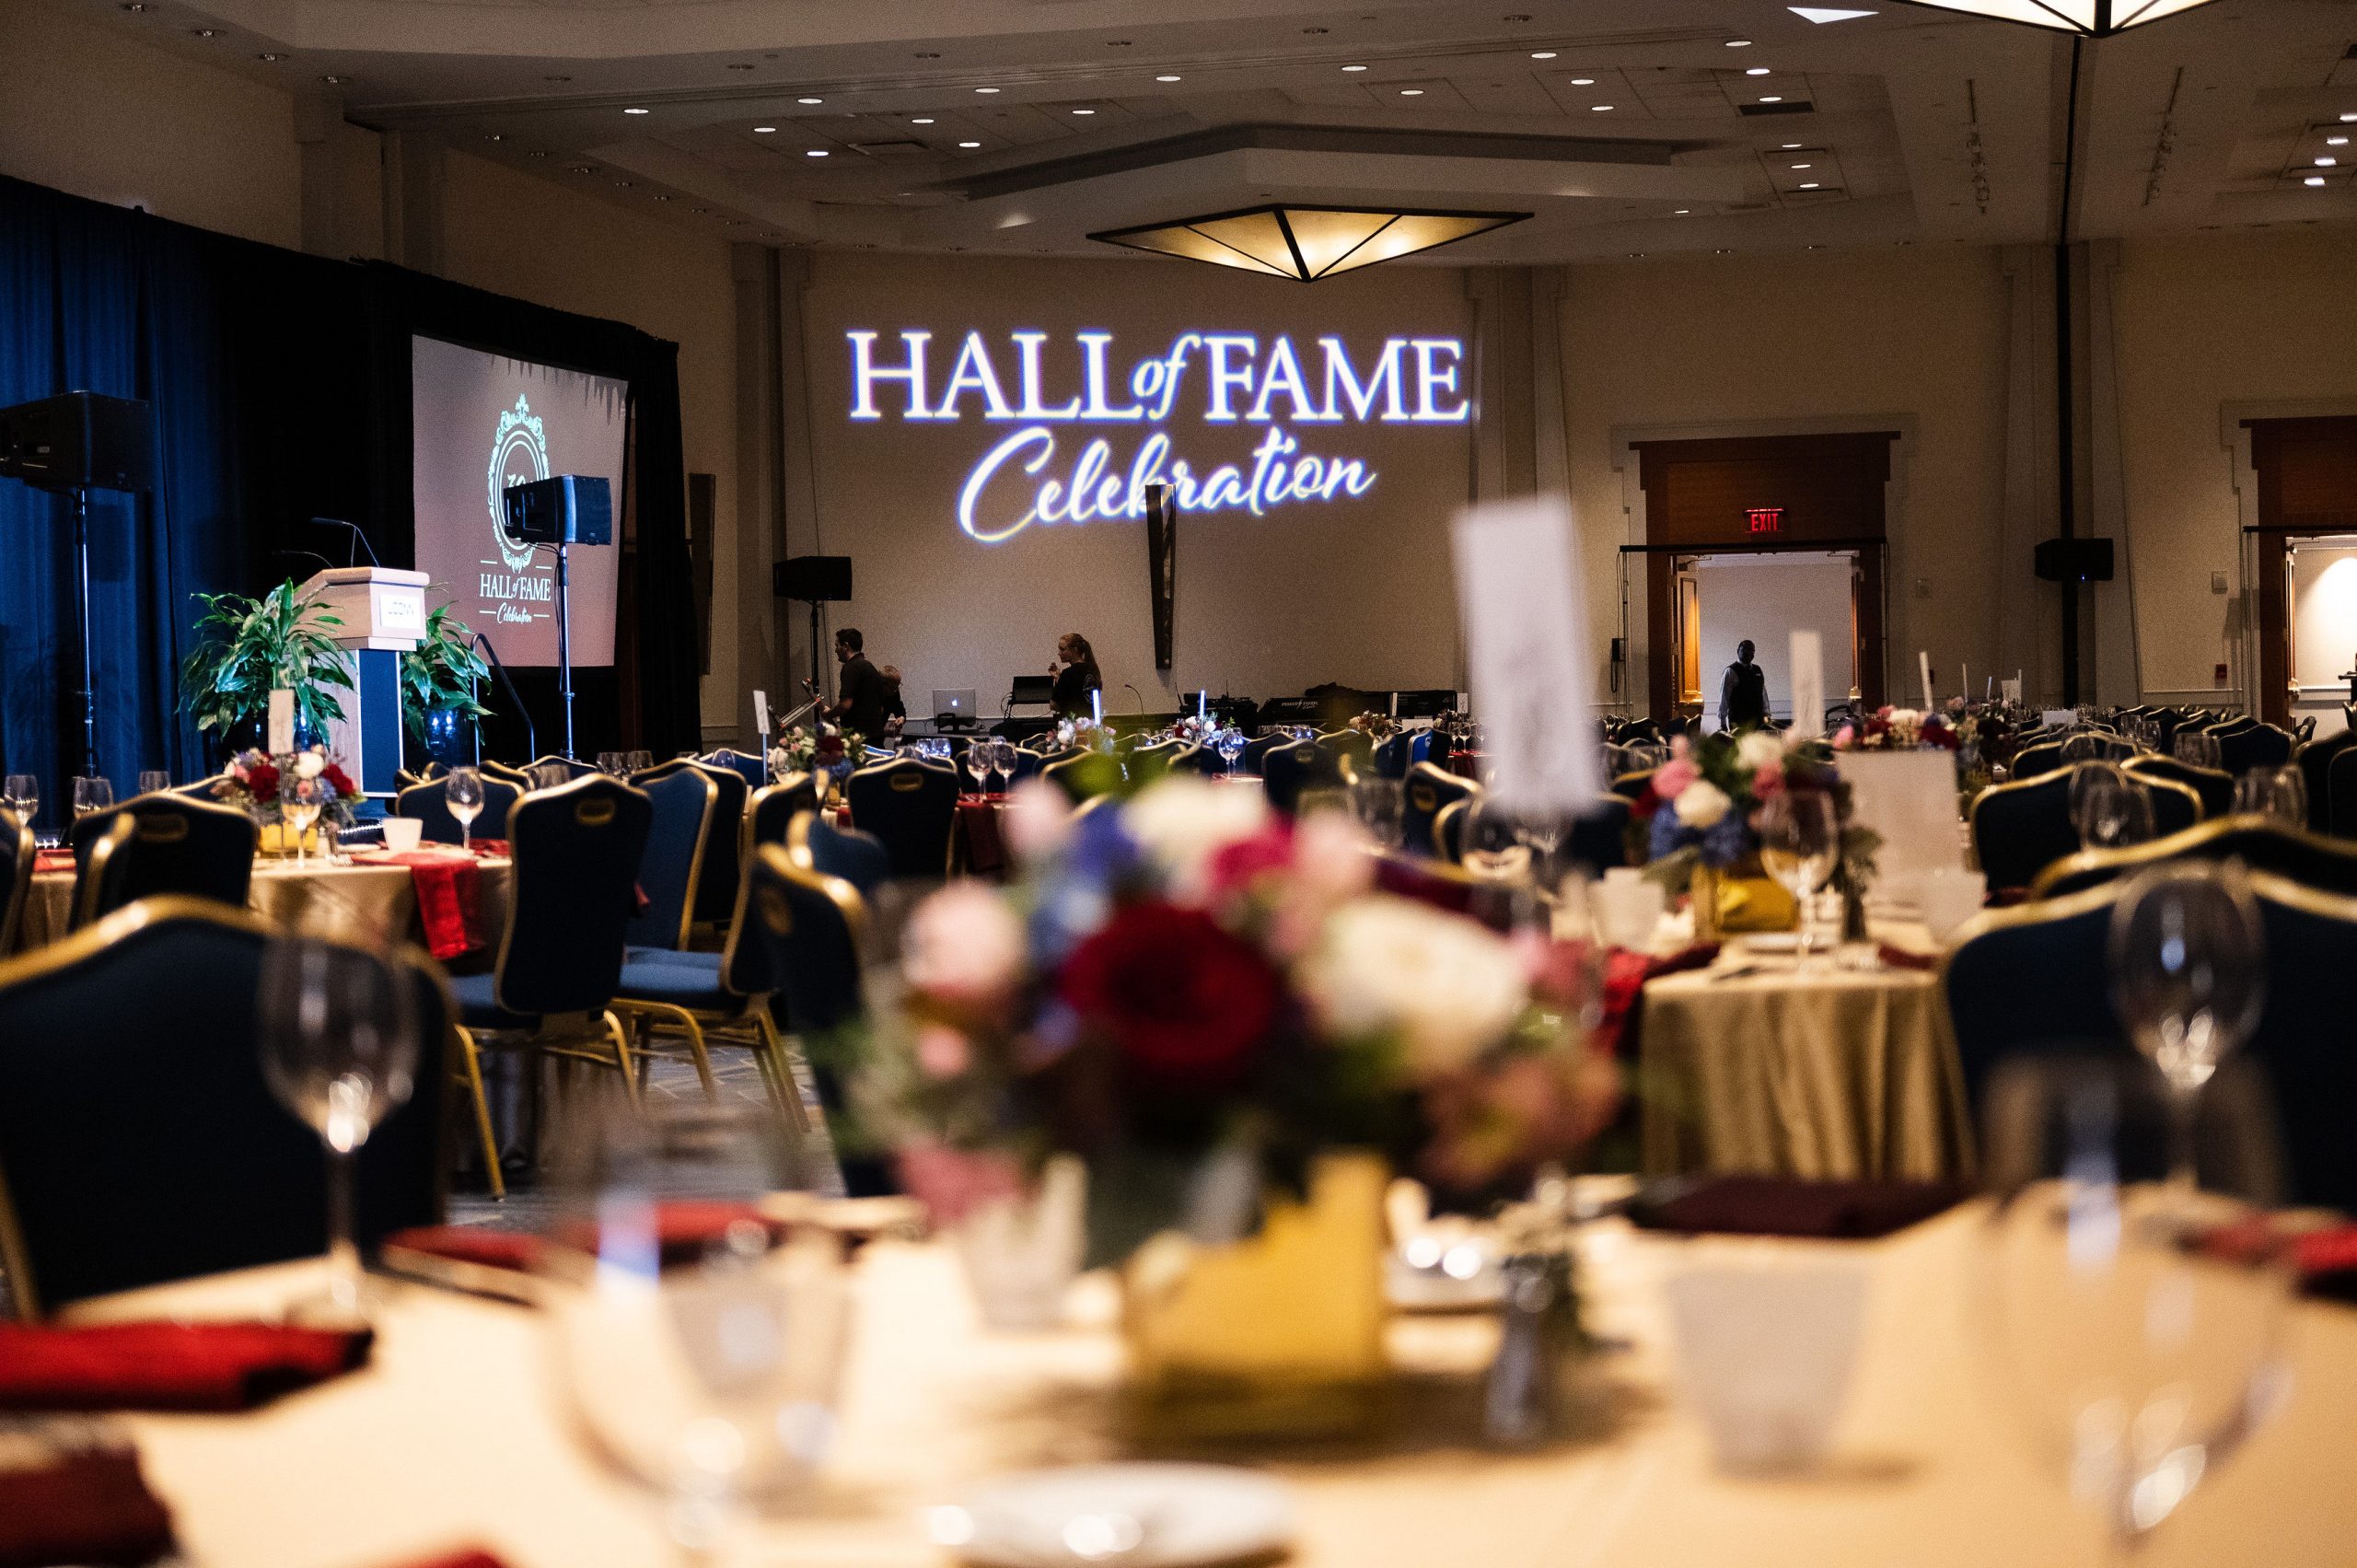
1301,401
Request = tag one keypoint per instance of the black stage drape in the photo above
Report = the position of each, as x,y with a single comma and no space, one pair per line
281,385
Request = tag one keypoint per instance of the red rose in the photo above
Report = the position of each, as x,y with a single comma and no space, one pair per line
262,779
339,781
1184,1002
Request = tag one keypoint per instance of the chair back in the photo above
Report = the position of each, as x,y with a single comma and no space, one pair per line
716,881
2175,806
1599,835
506,773
1149,762
1394,754
911,807
2259,746
2019,829
1427,791
1204,761
685,800
1355,745
430,807
1027,763
577,850
1633,786
2033,761
753,770
2314,760
571,767
201,788
404,777
858,858
771,808
1287,772
1445,837
2215,786
178,844
139,1142
101,867
2261,843
810,925
1078,774
1260,745
16,851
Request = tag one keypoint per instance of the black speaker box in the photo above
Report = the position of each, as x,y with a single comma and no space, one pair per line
815,577
79,440
570,508
2073,560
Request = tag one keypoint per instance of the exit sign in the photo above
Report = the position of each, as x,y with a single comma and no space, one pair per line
1765,519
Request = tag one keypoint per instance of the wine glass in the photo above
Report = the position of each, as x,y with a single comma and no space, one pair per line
2109,808
1377,802
2134,1324
462,790
699,1339
1002,764
1800,840
2278,793
639,761
154,781
2188,977
1494,846
610,764
2197,749
338,1037
24,798
978,765
91,794
299,802
1230,745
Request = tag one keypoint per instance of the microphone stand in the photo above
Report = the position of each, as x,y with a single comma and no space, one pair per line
531,736
359,540
82,623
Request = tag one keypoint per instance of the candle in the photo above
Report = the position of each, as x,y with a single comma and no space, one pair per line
1203,703
1924,659
1097,703
1963,680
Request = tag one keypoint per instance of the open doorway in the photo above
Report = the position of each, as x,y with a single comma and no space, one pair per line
2321,588
1763,596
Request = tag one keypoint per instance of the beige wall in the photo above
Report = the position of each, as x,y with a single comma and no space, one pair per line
1832,340
1356,590
88,110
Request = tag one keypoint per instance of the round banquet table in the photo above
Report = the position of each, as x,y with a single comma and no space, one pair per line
368,904
455,1435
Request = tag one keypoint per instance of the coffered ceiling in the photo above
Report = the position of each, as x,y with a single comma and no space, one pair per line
1624,126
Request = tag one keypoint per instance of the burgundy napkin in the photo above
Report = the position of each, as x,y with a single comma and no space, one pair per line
84,1504
52,859
2325,1260
978,820
1784,1205
1625,974
684,1230
470,1558
168,1367
1905,958
449,899
489,848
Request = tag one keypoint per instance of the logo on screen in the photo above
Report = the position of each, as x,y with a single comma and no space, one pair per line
519,454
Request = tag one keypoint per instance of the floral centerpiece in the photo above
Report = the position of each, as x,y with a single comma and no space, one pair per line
1196,729
1376,727
1697,819
1214,1009
1902,730
826,748
264,786
1084,732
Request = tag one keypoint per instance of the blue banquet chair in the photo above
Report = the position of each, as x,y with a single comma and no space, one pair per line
858,858
1260,745
685,799
178,844
427,803
1395,754
139,1141
771,808
911,807
754,770
16,851
1204,761
2215,786
1427,791
2022,827
1289,772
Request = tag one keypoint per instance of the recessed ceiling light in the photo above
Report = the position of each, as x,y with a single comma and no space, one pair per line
136,7
1084,112
495,135
335,81
1354,68
2312,179
816,152
1771,99
1758,71
986,91
1792,146
810,100
2348,120
969,144
1583,81
1599,108
1168,78
2336,141
638,112
661,197
1812,185
1681,212
920,121
626,184
1542,54
699,211
537,152
580,169
1800,166
2327,162
1411,92
1723,250
1821,15
764,130
1738,43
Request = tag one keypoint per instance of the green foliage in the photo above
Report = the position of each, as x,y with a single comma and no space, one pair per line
440,672
249,648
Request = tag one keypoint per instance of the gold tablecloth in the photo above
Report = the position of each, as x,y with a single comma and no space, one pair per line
363,904
1816,1074
455,1434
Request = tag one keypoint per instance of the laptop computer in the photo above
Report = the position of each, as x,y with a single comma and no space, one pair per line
956,706
1036,689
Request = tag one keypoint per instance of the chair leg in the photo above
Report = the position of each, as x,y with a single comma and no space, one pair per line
473,1060
778,1068
621,1055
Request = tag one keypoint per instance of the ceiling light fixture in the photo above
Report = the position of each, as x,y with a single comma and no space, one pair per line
206,32
1542,54
1758,71
1354,68
1812,185
1411,92
1084,112
495,135
1168,78
1738,43
986,91
2312,179
1823,13
1583,81
661,197
1599,108
1681,212
638,112
816,152
2348,120
2336,141
270,59
1792,146
1771,97
764,130
2088,18
969,144
1800,166
136,7
335,81
810,100
1306,243
920,121
2327,162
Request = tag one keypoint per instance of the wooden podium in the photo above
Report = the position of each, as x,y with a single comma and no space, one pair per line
382,612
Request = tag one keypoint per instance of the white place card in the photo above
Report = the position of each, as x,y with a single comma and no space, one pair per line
1923,658
281,728
1808,684
761,715
1525,640
1908,799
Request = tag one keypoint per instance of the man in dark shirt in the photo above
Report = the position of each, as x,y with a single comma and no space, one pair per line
860,695
1743,696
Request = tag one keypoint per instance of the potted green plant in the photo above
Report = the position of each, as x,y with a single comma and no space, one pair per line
247,648
438,682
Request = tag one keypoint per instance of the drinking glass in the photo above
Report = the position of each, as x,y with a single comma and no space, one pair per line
638,761
2279,793
91,794
338,1037
2109,808
610,764
2134,1324
1377,802
978,765
2197,749
699,1340
154,781
1003,765
1230,746
24,798
1800,840
299,801
462,790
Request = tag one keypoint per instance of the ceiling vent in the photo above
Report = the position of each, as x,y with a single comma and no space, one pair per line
896,152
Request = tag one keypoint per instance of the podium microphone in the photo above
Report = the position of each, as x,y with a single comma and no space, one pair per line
360,541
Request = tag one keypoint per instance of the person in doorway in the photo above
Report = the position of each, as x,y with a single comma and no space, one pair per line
861,695
1743,696
1077,675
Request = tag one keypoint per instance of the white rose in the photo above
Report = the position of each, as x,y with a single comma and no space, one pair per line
1758,748
963,941
1449,987
309,764
1700,804
1182,822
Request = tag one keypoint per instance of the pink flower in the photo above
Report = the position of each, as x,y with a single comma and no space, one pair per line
1844,737
1036,821
1671,779
1767,783
953,1183
942,1052
1235,866
964,943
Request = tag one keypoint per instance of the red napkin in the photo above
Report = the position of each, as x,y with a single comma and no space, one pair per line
1625,974
683,1232
496,849
1785,1205
168,1367
89,1504
449,899
52,859
1905,958
977,820
2325,1260
467,1559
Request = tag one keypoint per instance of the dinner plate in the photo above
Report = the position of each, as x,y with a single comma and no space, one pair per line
1138,1515
1770,940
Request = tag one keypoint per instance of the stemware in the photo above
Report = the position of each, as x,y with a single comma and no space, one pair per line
978,765
462,790
2280,794
2133,1323
91,794
1800,840
338,1037
24,798
2108,808
699,1339
299,802
639,761
610,764
154,781
2197,749
1003,761
1377,801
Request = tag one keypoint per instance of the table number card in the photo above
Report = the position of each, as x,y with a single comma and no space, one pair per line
1808,684
1520,603
1923,658
762,716
281,728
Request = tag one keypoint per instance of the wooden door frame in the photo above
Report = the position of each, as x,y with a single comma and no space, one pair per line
1867,654
2267,532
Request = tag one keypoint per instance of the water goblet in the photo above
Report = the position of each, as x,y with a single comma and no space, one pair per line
24,798
2109,808
154,781
1377,802
299,803
91,794
1003,760
462,790
978,765
1800,841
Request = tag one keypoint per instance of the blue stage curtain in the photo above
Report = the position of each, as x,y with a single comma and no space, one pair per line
280,383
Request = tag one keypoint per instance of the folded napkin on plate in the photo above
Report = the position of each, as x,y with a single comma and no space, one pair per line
449,898
75,1497
684,1231
1785,1205
168,1367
